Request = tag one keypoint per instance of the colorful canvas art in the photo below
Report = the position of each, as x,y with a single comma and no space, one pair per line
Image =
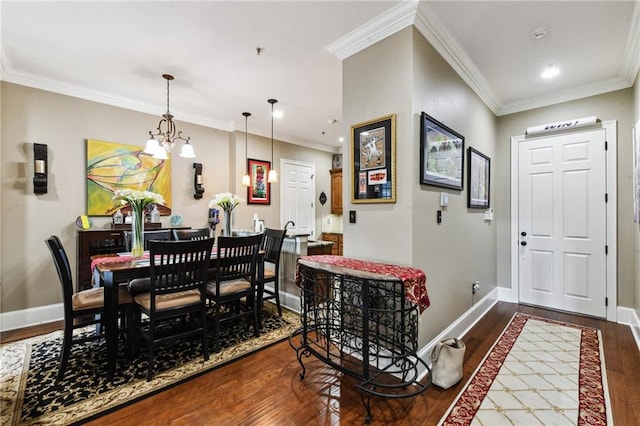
113,166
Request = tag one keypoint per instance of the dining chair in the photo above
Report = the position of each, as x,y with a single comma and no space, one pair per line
233,289
272,247
178,271
80,306
158,235
190,234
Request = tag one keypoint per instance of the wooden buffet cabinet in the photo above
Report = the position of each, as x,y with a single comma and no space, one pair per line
336,191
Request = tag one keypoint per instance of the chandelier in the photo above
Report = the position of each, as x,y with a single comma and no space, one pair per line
161,143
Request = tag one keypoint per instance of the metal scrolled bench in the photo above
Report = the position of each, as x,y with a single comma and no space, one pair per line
361,318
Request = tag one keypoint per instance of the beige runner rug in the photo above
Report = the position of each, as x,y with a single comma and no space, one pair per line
539,372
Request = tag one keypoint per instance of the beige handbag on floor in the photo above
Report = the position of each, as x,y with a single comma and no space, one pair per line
446,358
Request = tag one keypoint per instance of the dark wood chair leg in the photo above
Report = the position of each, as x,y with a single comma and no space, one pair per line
66,349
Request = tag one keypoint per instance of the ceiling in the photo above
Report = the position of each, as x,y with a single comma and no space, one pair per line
115,53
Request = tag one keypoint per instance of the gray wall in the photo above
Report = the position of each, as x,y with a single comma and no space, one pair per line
27,275
610,106
636,226
404,75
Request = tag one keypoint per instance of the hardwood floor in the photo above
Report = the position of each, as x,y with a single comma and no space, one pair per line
265,388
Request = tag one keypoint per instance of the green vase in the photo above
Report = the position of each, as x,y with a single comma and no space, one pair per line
137,231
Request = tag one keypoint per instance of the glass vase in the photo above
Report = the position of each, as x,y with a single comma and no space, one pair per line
227,223
137,231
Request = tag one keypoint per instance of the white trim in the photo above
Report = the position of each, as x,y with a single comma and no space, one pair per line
611,172
507,294
461,325
629,316
32,316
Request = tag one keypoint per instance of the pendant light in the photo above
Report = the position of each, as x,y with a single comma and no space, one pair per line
273,175
246,179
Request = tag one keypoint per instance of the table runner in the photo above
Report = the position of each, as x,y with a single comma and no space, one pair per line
413,279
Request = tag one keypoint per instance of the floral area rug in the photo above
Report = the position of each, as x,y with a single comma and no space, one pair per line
30,395
539,372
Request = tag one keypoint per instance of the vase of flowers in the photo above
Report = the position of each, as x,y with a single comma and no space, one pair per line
227,201
138,200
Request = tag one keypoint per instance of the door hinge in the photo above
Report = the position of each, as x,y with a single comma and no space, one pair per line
606,197
606,301
606,249
606,145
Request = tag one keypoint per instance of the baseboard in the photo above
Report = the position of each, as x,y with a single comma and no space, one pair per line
289,300
629,316
461,325
32,316
507,294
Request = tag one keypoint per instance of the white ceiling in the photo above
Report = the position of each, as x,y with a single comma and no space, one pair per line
116,52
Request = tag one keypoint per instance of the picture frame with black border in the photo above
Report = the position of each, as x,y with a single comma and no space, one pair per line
441,154
479,172
373,161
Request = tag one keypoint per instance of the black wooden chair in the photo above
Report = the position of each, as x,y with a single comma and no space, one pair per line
154,235
190,234
79,306
178,280
233,289
272,247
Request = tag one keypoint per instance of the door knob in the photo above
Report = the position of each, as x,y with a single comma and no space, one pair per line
523,243
524,234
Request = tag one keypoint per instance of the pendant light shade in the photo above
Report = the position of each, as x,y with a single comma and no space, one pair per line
273,175
246,179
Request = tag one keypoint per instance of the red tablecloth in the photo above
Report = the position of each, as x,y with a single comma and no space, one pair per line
414,280
113,259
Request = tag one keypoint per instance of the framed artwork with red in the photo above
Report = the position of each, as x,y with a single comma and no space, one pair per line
259,192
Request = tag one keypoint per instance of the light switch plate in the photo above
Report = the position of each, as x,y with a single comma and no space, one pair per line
352,216
444,199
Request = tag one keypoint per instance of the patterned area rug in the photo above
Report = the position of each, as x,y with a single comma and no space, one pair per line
29,394
539,372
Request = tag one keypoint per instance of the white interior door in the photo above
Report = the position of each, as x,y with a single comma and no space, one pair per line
562,222
298,196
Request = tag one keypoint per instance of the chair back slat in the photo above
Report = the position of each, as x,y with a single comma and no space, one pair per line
154,235
272,244
237,257
178,265
61,261
190,234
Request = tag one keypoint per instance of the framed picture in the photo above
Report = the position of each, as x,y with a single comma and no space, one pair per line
260,190
441,154
373,161
479,166
113,166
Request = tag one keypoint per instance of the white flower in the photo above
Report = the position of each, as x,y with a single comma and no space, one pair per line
226,200
138,200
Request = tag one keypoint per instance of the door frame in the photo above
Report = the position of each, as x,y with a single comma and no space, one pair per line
611,171
285,163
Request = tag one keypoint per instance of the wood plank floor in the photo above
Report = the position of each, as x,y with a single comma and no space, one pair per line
265,388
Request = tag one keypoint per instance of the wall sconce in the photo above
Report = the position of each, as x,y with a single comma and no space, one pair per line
39,168
197,181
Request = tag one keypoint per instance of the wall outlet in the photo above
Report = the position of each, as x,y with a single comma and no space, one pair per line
475,287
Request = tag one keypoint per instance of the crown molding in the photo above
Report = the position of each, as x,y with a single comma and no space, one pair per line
446,45
379,28
572,94
55,86
631,60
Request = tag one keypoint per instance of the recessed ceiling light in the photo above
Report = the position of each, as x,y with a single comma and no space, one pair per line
277,114
550,71
340,139
539,32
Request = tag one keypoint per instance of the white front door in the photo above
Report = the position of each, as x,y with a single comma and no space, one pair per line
298,194
562,222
